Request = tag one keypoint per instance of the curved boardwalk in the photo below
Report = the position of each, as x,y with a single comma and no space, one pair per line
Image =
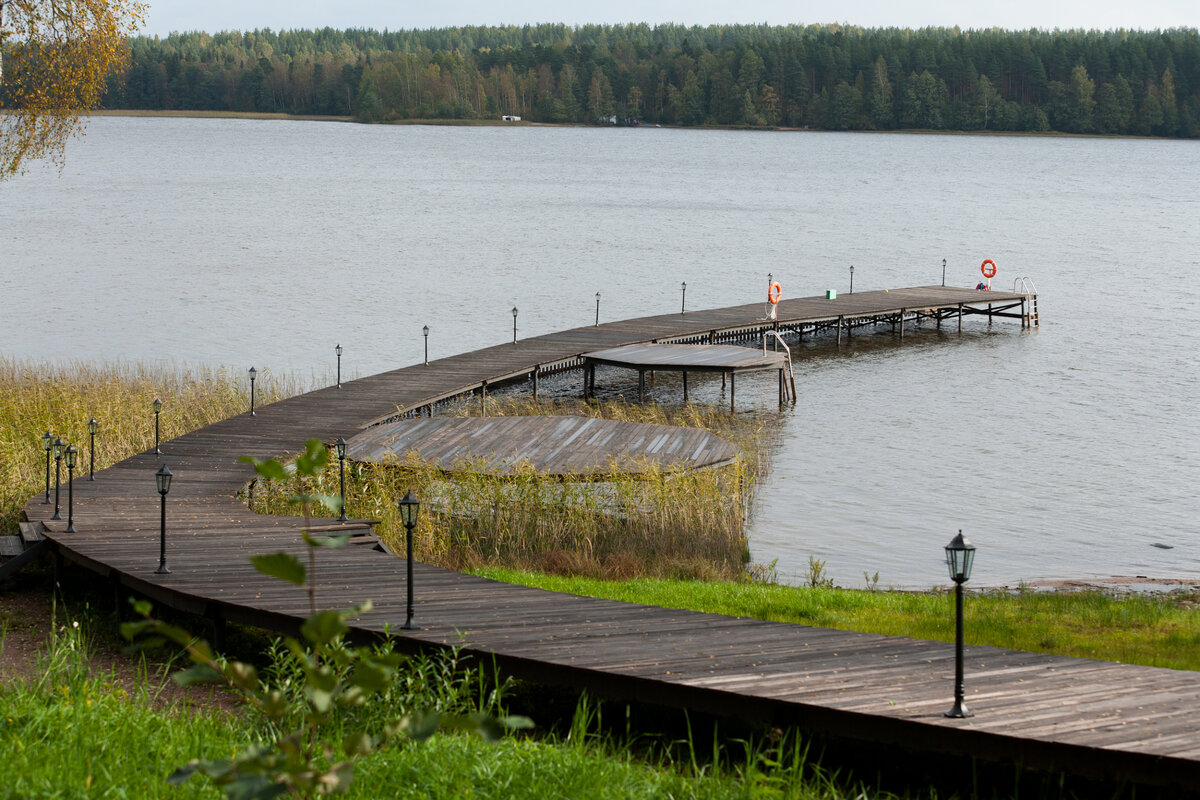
1088,717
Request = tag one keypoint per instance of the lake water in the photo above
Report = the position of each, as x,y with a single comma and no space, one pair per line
1068,451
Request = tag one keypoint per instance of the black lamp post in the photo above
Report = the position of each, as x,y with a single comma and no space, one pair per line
253,375
93,426
338,350
162,479
340,444
960,555
514,324
943,272
851,279
58,446
408,515
425,333
597,308
683,299
47,438
157,408
70,454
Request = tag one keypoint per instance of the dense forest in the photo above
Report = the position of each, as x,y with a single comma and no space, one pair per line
820,76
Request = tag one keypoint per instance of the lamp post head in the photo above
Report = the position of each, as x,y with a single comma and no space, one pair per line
93,426
514,312
960,557
338,349
157,405
253,373
47,439
408,509
851,269
70,454
162,479
683,284
425,331
943,263
597,295
340,445
58,446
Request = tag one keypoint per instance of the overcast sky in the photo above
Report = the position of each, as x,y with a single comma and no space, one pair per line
215,15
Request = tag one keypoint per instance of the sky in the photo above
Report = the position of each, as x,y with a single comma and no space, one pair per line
166,16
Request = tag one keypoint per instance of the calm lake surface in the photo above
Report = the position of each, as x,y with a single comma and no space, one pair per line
1068,451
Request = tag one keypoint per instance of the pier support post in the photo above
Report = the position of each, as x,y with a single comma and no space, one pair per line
483,399
732,389
115,584
219,633
960,316
535,385
902,323
781,387
839,329
641,385
685,393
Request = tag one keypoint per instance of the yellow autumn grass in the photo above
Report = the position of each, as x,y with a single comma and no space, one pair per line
61,398
663,523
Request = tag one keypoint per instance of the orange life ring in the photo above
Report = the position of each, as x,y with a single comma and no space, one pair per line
775,292
988,273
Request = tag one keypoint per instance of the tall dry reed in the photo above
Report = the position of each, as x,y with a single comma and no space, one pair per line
660,522
61,398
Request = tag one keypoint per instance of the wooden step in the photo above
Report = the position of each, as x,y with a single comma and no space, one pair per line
11,546
31,532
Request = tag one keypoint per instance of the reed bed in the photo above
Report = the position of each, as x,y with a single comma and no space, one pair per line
61,398
663,523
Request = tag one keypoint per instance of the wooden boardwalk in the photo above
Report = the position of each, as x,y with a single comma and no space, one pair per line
1087,717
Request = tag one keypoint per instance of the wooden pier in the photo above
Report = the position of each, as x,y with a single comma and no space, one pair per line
1085,717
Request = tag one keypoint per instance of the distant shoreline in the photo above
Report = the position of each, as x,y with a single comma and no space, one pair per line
497,123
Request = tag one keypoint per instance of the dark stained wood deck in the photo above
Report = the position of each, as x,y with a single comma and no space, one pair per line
559,446
1087,717
688,357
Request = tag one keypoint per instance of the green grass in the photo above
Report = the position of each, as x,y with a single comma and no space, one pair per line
69,731
1159,631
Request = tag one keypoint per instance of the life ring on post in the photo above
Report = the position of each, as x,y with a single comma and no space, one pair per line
775,292
988,268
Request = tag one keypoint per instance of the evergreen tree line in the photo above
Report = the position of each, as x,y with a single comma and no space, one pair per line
819,76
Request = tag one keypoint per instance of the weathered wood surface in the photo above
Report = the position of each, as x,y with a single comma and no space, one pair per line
1090,717
689,357
560,446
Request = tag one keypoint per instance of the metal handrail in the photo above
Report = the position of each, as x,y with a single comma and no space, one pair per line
788,365
1024,285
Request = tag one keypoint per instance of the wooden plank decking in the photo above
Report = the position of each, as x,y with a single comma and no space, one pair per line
1092,718
560,446
688,357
